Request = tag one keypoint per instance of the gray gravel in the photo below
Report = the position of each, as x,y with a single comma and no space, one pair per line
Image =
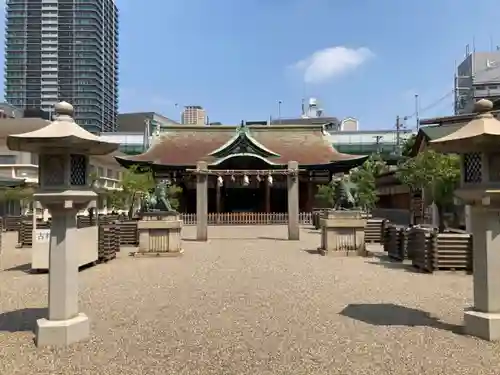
248,306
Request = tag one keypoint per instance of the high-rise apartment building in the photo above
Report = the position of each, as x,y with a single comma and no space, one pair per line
477,77
194,115
64,50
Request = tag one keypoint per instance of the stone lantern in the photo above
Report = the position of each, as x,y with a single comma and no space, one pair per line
478,144
64,149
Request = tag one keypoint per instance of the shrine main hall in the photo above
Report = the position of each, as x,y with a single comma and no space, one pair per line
246,162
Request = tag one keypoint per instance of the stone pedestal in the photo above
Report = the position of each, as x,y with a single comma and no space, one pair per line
65,325
160,235
483,320
342,233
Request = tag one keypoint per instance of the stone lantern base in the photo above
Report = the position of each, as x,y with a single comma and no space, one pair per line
63,332
486,326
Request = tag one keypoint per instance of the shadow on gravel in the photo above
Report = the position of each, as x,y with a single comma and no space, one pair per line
388,314
385,261
312,251
272,238
21,320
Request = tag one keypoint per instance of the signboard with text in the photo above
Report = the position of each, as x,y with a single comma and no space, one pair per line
42,235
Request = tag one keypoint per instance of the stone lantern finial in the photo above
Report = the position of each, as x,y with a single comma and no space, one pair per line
64,109
483,106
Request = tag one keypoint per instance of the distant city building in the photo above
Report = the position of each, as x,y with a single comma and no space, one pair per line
64,50
477,77
9,111
136,121
311,114
194,115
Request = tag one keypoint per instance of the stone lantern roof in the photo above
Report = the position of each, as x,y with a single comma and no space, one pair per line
482,134
62,133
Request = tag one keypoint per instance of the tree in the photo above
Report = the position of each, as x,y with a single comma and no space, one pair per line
408,145
362,182
22,194
136,182
116,199
173,192
364,178
325,195
434,173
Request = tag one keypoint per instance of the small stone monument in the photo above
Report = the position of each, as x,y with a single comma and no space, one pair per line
160,226
477,143
63,148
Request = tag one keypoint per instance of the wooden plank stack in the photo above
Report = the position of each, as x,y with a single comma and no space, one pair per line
374,230
109,242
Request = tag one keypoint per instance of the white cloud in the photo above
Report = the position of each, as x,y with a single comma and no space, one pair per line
332,62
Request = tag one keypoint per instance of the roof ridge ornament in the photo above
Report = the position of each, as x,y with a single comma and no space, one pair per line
242,129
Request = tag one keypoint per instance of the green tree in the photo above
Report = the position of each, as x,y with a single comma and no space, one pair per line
22,194
173,192
434,173
325,196
364,177
136,182
116,199
408,145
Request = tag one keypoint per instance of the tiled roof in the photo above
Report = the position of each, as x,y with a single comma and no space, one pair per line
186,145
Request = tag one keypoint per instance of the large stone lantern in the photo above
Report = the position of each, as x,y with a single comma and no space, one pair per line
478,144
64,149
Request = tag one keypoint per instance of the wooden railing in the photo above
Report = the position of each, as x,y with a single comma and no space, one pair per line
247,218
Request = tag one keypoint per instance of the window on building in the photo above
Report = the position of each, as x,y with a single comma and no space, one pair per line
34,159
8,159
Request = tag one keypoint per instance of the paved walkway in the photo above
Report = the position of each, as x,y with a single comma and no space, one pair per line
248,302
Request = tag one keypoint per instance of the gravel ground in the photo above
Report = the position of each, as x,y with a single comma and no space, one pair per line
248,302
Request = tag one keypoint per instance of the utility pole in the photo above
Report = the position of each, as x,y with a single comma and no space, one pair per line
398,136
279,111
377,142
417,108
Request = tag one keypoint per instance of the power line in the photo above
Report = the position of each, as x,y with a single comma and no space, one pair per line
430,106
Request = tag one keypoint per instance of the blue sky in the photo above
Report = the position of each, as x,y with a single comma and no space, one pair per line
238,58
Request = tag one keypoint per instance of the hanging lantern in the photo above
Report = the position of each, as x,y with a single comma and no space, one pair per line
270,180
220,181
246,181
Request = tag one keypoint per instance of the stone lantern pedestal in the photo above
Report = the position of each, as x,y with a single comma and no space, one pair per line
477,144
64,189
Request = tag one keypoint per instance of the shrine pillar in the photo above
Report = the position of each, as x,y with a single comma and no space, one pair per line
267,195
201,201
293,201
